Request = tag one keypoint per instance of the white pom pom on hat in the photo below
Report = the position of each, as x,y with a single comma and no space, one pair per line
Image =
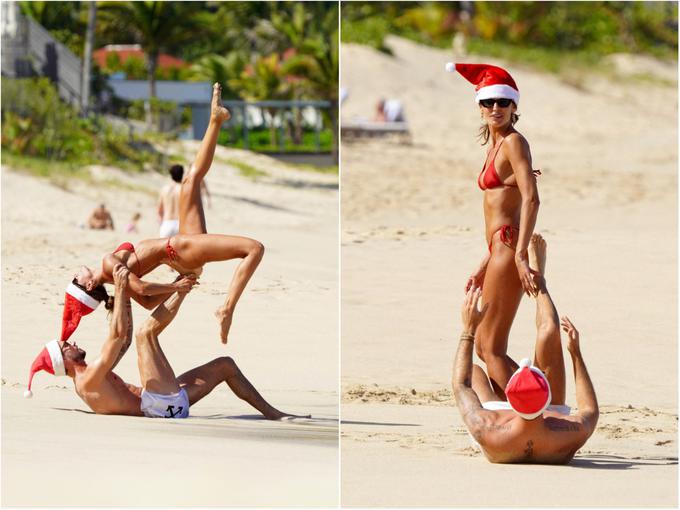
28,394
450,67
528,391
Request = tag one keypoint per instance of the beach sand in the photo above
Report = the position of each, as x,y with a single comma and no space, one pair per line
284,337
412,233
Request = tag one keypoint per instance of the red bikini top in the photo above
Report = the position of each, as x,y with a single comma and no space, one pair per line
488,177
130,247
125,247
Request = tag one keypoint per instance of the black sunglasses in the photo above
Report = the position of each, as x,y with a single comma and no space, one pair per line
502,102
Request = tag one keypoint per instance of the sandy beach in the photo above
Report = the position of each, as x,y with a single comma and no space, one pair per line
284,338
412,232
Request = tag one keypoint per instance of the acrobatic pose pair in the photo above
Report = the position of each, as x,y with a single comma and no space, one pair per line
510,211
187,252
161,394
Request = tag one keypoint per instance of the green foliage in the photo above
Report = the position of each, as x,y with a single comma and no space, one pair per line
259,139
36,123
583,29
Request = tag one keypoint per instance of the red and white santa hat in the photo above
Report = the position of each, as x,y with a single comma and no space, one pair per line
50,360
77,303
491,82
528,391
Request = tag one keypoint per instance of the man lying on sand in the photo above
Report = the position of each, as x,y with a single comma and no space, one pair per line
162,394
533,425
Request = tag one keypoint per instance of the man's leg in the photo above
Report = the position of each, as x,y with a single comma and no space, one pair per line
200,381
548,356
191,215
155,372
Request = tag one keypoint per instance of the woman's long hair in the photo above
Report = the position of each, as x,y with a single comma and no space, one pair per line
99,293
484,132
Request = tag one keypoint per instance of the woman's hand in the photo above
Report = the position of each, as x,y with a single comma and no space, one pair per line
476,280
526,276
184,283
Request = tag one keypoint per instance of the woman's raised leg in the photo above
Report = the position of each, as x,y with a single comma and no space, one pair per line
502,292
196,251
191,215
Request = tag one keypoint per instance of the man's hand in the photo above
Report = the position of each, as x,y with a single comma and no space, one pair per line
470,314
573,345
120,276
184,283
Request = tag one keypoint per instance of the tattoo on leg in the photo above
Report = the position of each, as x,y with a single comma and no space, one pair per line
529,450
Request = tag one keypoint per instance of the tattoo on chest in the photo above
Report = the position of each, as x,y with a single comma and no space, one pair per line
529,450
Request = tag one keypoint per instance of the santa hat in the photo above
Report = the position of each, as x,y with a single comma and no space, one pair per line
528,391
77,303
50,360
490,82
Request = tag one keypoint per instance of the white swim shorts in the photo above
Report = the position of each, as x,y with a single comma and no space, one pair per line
175,405
169,228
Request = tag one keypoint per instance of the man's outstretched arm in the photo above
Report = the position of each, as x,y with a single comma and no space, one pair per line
586,400
466,399
120,327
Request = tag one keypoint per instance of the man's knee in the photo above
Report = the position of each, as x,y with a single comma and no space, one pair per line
145,333
228,365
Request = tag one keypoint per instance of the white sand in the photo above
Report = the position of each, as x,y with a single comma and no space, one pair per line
412,233
284,338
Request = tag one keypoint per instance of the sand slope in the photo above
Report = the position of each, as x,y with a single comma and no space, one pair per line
412,231
284,338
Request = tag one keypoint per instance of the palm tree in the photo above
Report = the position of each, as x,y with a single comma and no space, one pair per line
216,68
261,81
317,58
157,26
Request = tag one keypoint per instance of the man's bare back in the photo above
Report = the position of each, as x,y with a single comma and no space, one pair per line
169,202
552,438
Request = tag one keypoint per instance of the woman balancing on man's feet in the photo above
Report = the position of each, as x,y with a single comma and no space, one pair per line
510,211
186,252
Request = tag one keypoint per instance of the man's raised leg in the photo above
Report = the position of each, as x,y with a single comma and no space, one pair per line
191,215
155,372
200,381
548,356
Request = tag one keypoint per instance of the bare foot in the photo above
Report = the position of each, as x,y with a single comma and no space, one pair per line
225,323
278,415
537,253
217,111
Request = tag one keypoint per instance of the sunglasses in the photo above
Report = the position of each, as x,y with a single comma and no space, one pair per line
502,102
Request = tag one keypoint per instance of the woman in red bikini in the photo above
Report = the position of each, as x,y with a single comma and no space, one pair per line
186,252
510,210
